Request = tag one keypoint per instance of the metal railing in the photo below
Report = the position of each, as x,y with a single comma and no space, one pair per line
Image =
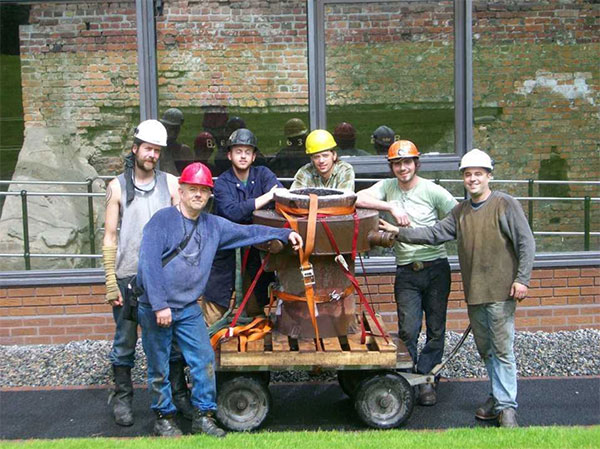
90,194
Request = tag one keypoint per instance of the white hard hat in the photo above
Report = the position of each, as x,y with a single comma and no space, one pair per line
476,158
151,131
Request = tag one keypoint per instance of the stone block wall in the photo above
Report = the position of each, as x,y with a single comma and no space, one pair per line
559,299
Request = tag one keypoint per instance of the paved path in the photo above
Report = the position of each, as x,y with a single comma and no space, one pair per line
84,412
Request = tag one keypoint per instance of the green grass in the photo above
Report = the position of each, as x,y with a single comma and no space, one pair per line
484,438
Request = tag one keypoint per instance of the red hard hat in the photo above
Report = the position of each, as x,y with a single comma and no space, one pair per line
204,140
344,131
196,173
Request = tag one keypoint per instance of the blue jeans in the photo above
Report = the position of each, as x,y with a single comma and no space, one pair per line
126,335
188,327
417,292
494,331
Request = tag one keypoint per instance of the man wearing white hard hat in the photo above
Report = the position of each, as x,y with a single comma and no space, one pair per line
131,200
496,250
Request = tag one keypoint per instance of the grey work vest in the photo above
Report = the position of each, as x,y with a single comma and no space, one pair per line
134,216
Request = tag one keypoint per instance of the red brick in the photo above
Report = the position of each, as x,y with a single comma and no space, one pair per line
580,281
567,291
63,339
92,320
12,340
63,300
63,320
49,291
567,272
553,320
538,292
52,330
101,308
529,302
564,311
591,272
386,289
37,340
36,301
11,302
106,329
7,322
522,322
77,290
98,290
36,322
537,311
589,291
553,301
581,300
20,292
540,274
20,331
50,310
580,319
553,283
78,309
13,311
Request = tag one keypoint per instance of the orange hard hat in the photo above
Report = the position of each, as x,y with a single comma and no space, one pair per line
402,149
196,173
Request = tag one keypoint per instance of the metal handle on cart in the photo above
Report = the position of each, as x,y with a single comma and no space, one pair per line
437,368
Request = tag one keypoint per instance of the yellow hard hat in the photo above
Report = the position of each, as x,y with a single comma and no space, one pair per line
319,140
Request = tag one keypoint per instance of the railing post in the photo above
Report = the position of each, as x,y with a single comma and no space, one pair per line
91,222
587,207
26,252
530,205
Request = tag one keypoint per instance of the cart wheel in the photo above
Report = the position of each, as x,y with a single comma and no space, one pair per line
349,380
384,400
243,403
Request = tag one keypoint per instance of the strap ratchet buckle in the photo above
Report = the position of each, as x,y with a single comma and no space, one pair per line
308,275
340,259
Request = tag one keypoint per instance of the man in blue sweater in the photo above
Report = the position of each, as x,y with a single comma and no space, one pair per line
238,192
177,250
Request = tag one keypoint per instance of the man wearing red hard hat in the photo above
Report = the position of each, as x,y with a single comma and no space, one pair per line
176,255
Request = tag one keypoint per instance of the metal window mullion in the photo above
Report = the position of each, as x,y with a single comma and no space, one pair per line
147,69
315,11
463,77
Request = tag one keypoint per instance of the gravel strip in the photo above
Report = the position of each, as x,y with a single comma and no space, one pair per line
568,353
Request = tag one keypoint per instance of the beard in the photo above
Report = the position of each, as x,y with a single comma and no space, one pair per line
140,164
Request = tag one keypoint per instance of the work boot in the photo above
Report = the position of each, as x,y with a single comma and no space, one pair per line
487,411
508,418
204,422
165,426
122,396
179,389
427,394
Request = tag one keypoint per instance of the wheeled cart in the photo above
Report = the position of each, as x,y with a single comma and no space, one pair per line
377,375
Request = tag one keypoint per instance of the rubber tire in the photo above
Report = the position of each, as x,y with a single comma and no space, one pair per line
243,403
399,397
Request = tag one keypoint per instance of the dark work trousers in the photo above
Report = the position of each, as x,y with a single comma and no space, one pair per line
421,291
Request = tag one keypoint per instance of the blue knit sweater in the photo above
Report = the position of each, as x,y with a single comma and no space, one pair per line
183,280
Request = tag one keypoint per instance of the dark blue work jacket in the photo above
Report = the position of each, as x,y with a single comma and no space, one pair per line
234,201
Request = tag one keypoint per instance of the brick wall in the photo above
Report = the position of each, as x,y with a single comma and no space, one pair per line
559,299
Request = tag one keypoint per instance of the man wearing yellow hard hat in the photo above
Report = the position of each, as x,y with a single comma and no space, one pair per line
325,169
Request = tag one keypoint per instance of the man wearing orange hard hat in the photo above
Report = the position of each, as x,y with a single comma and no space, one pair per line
177,251
422,283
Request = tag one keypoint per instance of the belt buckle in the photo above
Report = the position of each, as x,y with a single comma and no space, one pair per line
418,265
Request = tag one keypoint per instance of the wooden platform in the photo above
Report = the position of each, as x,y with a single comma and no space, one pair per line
280,352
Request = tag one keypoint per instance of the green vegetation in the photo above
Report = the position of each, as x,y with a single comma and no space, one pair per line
484,438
